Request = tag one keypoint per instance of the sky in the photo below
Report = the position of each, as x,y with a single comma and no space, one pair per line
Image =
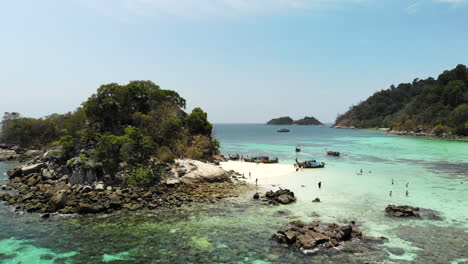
242,61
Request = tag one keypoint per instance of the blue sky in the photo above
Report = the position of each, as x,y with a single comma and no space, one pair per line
241,61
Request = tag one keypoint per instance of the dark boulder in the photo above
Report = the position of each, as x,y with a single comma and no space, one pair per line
14,172
256,196
59,200
84,208
282,196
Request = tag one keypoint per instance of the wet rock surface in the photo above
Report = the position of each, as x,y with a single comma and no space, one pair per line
282,196
402,211
316,237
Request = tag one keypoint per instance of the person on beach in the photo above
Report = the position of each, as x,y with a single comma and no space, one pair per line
242,158
390,193
320,184
256,181
250,175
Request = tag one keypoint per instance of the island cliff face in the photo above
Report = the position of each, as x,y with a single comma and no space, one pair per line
286,120
426,107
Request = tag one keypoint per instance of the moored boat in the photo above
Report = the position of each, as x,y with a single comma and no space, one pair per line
333,153
283,130
310,164
267,161
261,159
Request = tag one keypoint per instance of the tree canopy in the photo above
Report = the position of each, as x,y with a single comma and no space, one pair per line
128,124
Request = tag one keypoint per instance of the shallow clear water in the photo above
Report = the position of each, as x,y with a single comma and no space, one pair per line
239,230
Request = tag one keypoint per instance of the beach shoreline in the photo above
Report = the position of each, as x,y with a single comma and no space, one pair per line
262,172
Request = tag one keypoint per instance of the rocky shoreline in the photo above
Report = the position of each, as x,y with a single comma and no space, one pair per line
411,132
16,153
79,187
425,133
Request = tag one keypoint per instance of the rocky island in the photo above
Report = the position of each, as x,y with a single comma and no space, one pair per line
286,120
425,107
127,147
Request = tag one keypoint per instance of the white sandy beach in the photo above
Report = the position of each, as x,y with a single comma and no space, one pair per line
263,172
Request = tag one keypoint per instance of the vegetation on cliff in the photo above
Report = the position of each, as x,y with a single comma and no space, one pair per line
286,120
438,104
307,121
127,127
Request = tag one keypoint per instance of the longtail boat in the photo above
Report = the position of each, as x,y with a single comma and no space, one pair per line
310,164
333,153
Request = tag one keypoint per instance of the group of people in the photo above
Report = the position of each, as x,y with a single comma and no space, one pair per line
407,192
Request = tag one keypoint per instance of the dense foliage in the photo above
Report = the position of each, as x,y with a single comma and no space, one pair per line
428,104
129,126
308,120
285,120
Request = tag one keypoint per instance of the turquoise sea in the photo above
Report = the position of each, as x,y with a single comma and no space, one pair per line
238,230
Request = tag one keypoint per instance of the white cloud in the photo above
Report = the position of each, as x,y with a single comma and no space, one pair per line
208,8
413,8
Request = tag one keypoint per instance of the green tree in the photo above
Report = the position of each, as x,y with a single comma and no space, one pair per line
197,122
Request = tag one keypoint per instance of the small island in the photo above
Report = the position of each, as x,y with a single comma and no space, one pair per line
286,120
308,121
128,147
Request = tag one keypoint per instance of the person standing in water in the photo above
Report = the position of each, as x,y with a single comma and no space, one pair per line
407,184
407,193
390,193
320,184
392,181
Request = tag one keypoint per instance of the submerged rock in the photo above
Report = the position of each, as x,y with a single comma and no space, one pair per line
316,200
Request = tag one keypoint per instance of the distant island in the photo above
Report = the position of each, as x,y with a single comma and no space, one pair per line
424,107
286,120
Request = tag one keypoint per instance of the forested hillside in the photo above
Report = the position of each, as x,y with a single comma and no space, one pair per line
432,104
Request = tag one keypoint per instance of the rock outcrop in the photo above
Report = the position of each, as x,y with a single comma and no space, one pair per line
315,237
194,171
402,211
282,196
